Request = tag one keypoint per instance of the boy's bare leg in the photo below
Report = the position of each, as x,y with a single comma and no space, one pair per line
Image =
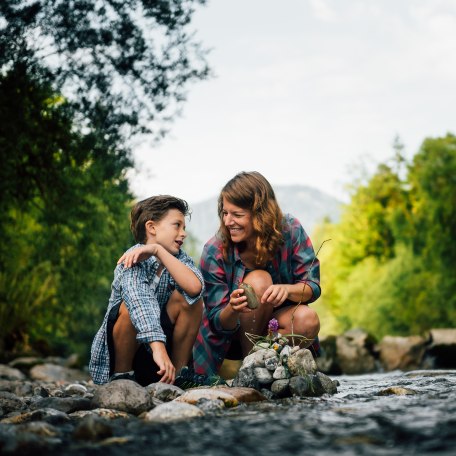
125,345
186,319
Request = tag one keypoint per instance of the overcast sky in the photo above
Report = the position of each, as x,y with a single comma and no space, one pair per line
305,91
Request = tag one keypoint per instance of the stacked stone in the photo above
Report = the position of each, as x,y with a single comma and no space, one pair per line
289,372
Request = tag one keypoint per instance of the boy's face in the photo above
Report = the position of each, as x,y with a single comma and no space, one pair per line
169,232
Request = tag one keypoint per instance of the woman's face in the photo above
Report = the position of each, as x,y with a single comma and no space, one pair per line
238,221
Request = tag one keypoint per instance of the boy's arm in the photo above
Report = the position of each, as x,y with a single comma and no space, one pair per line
180,272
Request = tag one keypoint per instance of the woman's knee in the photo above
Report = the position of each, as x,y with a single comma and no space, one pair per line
259,280
307,321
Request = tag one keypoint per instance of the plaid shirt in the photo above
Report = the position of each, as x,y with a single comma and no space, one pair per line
134,286
290,265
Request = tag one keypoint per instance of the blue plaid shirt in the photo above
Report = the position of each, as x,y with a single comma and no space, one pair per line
144,303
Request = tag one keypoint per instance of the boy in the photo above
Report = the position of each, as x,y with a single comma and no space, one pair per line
155,307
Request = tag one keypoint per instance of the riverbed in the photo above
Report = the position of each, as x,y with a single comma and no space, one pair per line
392,413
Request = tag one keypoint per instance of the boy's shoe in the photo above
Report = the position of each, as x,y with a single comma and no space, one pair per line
188,378
123,376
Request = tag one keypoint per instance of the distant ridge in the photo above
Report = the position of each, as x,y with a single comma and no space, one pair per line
309,205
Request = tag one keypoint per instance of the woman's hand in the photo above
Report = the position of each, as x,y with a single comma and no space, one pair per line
275,295
238,301
138,254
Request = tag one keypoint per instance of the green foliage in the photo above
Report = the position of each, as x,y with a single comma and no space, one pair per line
65,218
390,265
122,64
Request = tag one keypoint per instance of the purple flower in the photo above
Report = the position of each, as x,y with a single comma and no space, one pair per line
273,325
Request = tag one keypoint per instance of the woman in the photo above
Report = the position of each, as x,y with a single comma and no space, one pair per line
258,245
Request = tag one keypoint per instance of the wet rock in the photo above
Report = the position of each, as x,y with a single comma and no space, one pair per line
354,352
26,362
301,363
40,391
327,362
10,373
280,373
443,347
163,391
246,378
329,385
92,428
263,375
9,402
101,412
280,388
300,386
271,363
403,353
192,396
76,388
124,395
49,415
40,428
54,373
173,411
63,404
396,391
210,405
245,395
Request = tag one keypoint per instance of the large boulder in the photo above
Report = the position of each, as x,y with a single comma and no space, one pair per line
401,353
443,347
355,352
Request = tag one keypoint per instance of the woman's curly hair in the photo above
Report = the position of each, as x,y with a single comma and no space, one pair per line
251,191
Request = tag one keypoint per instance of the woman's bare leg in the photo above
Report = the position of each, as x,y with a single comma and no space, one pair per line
305,323
255,322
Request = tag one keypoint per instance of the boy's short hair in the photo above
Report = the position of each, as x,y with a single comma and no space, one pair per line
153,208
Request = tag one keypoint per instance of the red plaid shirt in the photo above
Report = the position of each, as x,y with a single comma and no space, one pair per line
290,265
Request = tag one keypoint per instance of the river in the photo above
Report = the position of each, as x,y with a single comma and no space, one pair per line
358,420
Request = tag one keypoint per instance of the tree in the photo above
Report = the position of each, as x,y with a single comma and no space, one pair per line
123,64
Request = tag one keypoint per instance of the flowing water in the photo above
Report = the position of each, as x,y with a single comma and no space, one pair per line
356,420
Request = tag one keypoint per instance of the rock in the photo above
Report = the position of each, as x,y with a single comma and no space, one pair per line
301,363
246,378
396,391
443,347
55,373
255,359
192,396
102,412
49,415
354,350
263,375
210,405
301,386
63,404
76,388
123,395
329,386
92,428
403,353
163,391
10,373
9,402
327,362
280,388
271,363
26,362
280,373
243,394
173,411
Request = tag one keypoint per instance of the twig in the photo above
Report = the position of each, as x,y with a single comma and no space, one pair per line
303,289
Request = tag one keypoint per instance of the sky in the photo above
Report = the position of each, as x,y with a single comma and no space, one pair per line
307,92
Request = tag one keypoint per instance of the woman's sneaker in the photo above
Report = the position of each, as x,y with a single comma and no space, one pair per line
188,378
123,376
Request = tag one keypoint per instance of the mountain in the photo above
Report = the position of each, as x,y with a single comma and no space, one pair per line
309,205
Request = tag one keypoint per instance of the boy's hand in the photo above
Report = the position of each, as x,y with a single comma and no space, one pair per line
138,254
161,358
